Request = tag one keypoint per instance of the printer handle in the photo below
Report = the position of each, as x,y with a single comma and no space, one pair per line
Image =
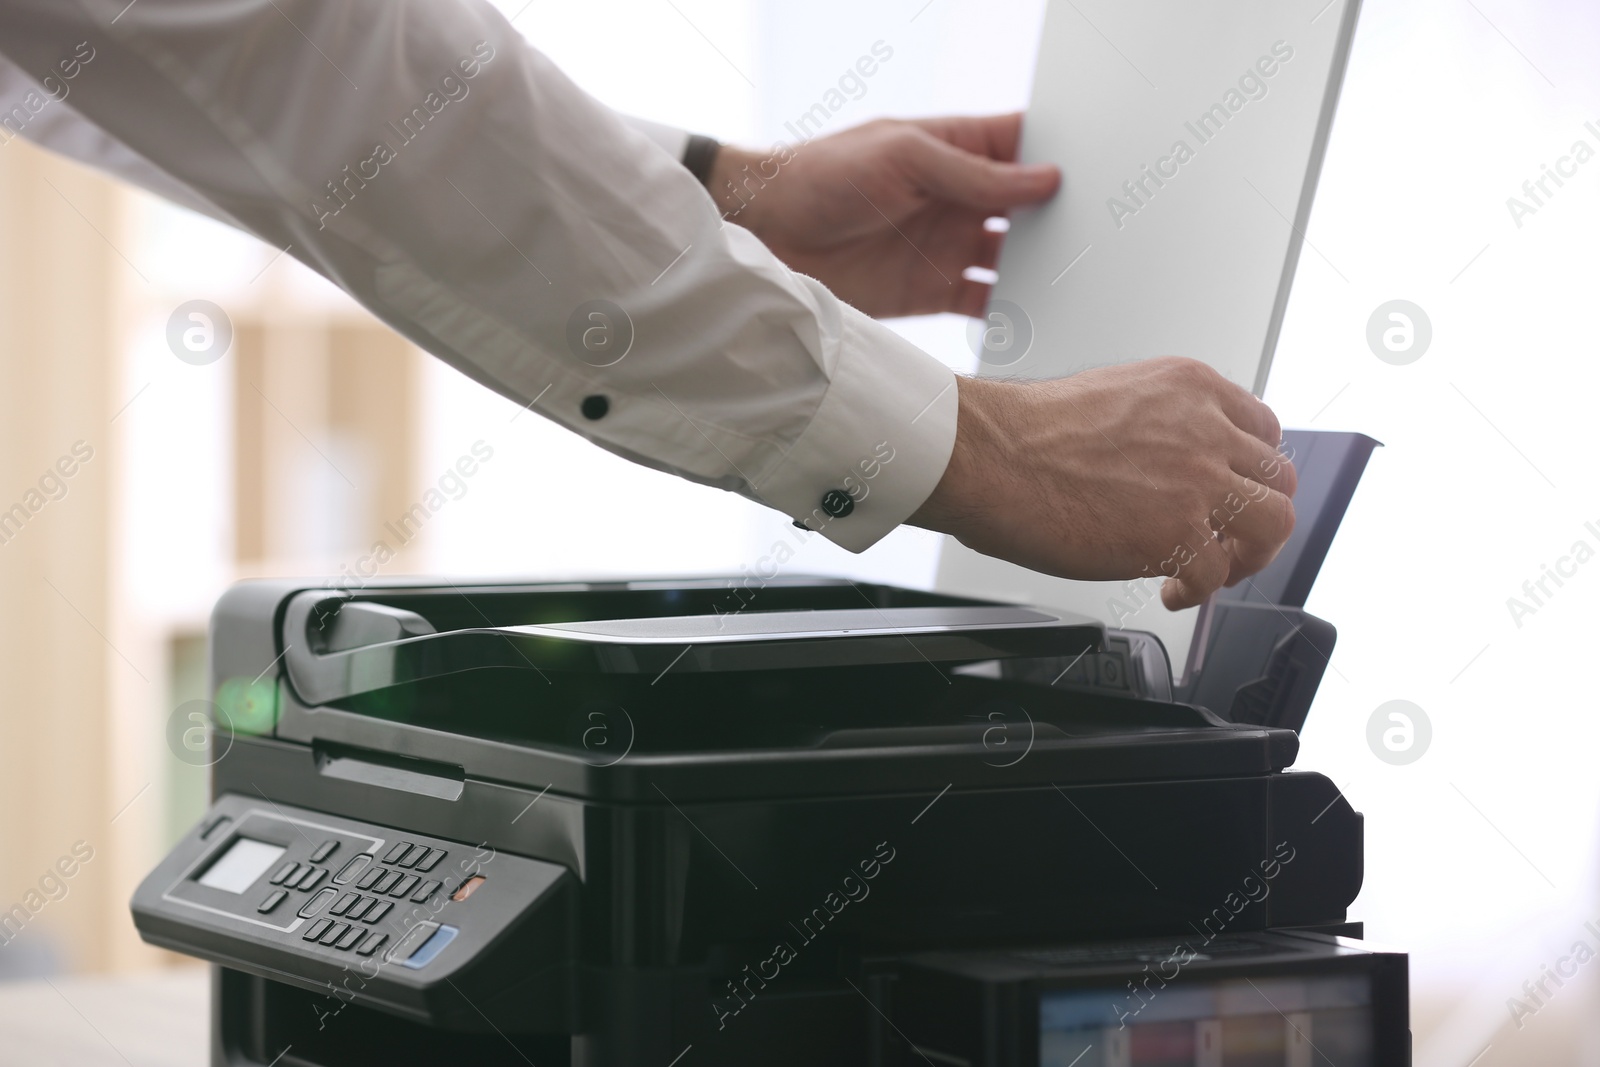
336,646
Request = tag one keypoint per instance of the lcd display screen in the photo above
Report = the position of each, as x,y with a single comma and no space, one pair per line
238,868
1278,1021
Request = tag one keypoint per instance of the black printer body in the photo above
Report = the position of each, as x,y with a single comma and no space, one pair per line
790,821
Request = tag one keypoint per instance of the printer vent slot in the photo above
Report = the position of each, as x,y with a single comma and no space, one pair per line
443,781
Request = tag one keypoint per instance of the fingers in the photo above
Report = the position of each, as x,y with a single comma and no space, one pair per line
1254,523
1252,458
952,173
972,298
1249,413
995,136
1199,578
988,251
972,295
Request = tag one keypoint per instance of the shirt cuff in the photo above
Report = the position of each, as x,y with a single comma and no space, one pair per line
877,445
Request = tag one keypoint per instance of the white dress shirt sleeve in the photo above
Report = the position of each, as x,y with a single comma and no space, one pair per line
44,117
420,154
35,114
669,139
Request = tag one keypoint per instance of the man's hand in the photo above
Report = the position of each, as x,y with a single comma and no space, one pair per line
1160,468
887,215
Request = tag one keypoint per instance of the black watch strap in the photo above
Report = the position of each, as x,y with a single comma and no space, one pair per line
699,154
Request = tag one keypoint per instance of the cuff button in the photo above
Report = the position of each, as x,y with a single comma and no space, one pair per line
837,503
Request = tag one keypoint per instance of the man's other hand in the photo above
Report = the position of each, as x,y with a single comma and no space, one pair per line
1160,468
890,214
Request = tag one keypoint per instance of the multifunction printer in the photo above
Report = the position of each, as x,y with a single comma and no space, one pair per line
774,821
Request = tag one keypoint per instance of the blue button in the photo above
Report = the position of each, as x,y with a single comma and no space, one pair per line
431,947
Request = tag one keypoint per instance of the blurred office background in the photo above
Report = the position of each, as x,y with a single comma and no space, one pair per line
289,455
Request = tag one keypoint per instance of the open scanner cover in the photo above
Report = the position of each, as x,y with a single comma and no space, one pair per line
341,647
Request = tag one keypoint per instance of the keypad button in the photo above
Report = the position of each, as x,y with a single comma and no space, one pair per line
411,942
360,907
333,933
424,891
425,953
431,860
285,873
377,911
411,857
317,929
400,849
370,877
274,898
323,851
406,884
342,905
469,887
372,944
312,878
387,879
350,870
317,903
349,938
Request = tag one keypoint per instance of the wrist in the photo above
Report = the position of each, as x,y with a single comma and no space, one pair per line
964,489
735,185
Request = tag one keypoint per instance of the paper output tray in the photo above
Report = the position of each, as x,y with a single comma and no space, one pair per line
339,648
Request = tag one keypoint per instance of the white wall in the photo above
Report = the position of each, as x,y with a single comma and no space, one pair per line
1481,854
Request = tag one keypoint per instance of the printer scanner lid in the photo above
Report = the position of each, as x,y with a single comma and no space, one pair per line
622,689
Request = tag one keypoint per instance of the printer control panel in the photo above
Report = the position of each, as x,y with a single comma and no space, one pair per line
304,896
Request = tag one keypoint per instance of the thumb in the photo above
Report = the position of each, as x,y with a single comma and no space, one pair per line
952,173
